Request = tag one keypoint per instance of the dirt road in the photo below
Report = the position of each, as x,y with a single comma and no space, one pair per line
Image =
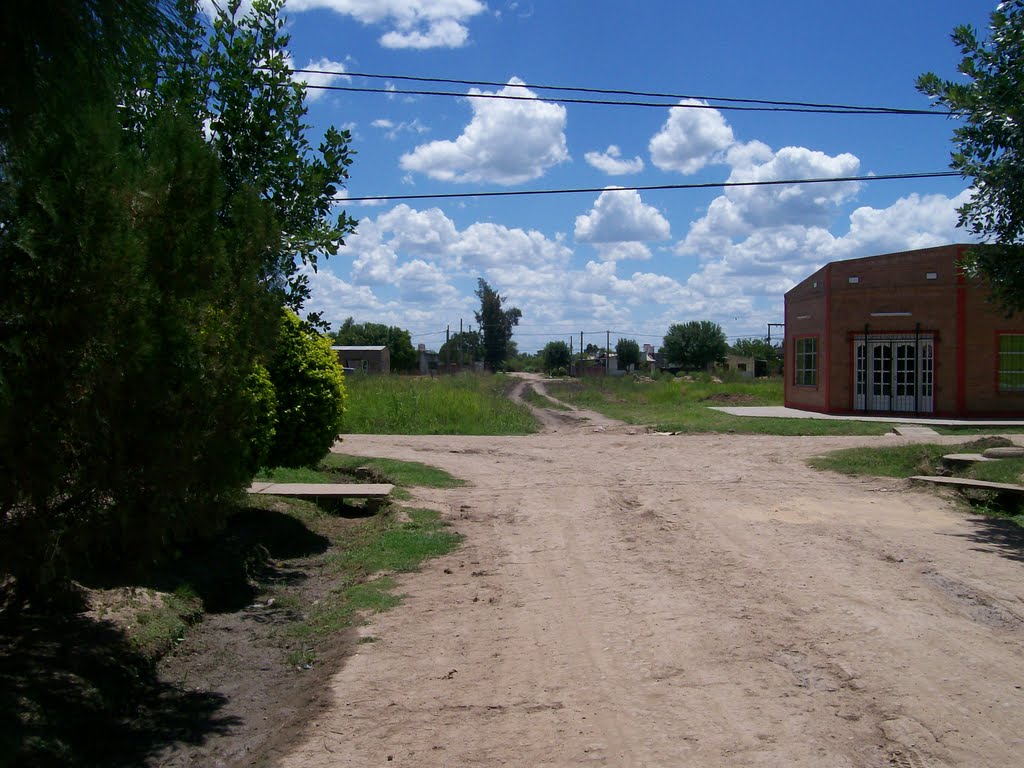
643,600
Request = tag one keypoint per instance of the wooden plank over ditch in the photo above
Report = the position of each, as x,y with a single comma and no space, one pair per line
966,482
325,490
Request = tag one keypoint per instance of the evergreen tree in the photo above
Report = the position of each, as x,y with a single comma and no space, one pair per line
496,324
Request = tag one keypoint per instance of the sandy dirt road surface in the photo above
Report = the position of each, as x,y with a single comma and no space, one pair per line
643,600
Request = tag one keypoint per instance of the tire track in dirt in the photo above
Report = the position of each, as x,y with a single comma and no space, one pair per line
567,417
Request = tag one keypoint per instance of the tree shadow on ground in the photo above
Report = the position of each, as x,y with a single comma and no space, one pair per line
228,570
997,535
73,692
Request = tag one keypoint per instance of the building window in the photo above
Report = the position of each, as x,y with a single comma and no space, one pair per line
806,357
927,370
1011,362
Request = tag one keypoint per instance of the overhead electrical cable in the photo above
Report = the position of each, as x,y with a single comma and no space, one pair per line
764,104
620,103
650,188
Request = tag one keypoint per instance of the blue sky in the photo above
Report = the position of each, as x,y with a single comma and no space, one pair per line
627,262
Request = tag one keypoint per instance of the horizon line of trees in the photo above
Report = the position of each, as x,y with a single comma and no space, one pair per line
694,345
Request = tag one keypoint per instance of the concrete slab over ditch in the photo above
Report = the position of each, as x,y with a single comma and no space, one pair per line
324,490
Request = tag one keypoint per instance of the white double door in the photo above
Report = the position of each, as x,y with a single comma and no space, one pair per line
894,373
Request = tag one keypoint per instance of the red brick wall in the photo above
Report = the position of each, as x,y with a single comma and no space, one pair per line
983,323
806,315
886,288
893,293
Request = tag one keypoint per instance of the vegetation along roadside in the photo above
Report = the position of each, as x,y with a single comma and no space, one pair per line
926,459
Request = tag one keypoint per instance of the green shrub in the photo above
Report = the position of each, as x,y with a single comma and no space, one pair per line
310,389
261,399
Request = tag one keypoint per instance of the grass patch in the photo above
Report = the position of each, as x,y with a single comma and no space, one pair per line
399,546
537,400
344,468
677,405
891,461
1002,471
400,473
161,627
464,404
378,545
902,460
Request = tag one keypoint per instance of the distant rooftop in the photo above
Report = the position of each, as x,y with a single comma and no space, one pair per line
377,348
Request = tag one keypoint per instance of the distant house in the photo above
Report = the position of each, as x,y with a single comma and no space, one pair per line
902,332
744,366
651,359
600,364
368,359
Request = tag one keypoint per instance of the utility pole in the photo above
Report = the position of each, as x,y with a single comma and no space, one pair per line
581,354
447,347
770,326
608,353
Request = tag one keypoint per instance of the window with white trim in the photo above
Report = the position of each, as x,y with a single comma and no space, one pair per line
805,370
1011,362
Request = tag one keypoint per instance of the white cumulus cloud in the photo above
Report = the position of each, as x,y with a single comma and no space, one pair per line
621,216
417,24
611,162
506,142
693,136
742,210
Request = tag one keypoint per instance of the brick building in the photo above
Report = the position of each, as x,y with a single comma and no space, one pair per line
902,332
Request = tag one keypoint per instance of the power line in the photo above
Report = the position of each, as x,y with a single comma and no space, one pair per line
651,188
621,103
775,104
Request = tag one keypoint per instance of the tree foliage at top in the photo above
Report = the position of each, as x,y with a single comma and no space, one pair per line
990,145
695,345
397,340
234,78
627,352
496,324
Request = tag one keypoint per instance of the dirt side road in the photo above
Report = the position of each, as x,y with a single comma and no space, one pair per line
642,600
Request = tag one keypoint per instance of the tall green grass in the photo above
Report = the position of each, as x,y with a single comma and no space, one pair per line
466,404
676,405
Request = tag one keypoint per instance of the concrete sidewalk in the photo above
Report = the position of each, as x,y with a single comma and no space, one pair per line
781,412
